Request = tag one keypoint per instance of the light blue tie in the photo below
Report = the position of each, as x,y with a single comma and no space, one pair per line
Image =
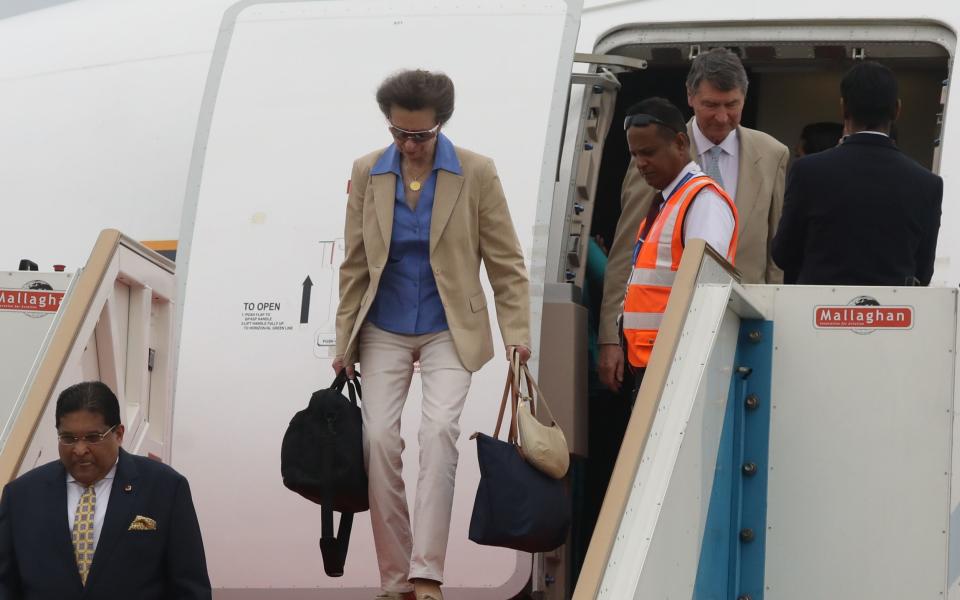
711,164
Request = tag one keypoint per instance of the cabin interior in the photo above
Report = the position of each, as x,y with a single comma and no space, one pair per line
791,85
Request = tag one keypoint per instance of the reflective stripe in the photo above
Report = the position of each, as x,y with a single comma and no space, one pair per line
661,277
665,241
655,270
642,321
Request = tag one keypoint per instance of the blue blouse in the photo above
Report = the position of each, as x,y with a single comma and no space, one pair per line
407,300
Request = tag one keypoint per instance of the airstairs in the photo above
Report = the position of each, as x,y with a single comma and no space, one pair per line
112,320
787,442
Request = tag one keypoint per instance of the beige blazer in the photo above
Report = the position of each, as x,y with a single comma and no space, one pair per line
470,223
759,200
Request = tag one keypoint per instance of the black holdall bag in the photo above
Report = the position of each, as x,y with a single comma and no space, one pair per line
517,506
321,459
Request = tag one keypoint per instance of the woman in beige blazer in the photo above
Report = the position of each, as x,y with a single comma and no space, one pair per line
421,215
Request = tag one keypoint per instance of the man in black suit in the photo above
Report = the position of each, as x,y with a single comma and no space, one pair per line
862,213
99,524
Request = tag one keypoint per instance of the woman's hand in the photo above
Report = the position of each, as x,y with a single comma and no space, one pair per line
524,353
338,365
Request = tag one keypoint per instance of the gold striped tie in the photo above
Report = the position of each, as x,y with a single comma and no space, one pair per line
83,532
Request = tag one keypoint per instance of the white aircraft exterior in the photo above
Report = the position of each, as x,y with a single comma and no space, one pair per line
137,116
99,99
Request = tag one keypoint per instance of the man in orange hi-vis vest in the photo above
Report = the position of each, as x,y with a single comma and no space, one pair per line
689,205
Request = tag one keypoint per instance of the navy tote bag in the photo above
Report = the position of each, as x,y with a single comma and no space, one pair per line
517,506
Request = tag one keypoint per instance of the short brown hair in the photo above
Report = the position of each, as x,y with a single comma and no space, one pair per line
417,90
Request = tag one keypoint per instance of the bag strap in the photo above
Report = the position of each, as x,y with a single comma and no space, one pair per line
514,437
536,395
354,389
339,380
509,390
515,368
334,548
503,406
353,385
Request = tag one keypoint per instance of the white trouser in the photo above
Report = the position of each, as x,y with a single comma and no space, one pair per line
386,364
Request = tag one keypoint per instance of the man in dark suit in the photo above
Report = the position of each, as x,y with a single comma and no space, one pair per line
99,524
862,213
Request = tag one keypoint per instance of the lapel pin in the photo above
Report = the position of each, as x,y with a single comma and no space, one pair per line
128,488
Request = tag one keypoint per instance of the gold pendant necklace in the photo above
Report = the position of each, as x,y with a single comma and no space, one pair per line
415,184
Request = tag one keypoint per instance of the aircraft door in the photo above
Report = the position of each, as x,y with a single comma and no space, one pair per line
564,338
289,105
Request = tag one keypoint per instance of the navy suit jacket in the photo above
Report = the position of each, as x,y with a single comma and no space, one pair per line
36,552
862,213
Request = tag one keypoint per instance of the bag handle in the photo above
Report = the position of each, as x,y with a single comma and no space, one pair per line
353,385
509,390
515,369
536,396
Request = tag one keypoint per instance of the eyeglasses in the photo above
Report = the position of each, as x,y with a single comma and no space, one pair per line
417,137
642,120
68,439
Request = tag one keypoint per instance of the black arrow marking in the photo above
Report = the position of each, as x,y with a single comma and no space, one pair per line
305,300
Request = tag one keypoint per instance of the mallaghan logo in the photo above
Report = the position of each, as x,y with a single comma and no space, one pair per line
863,314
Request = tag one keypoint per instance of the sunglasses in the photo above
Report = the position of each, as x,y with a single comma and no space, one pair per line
417,137
642,120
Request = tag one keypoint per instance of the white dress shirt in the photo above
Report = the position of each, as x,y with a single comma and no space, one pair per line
729,160
709,218
102,490
886,135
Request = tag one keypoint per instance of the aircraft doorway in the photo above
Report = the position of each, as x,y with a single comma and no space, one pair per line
791,85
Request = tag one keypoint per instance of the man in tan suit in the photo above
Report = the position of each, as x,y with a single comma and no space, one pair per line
749,165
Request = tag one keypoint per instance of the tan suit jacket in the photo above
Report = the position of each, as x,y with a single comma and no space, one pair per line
470,222
759,200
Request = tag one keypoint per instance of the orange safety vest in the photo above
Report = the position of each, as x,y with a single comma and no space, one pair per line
656,267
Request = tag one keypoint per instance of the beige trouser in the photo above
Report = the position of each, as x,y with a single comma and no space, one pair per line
386,364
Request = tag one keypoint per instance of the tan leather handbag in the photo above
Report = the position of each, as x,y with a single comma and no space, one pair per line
543,446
